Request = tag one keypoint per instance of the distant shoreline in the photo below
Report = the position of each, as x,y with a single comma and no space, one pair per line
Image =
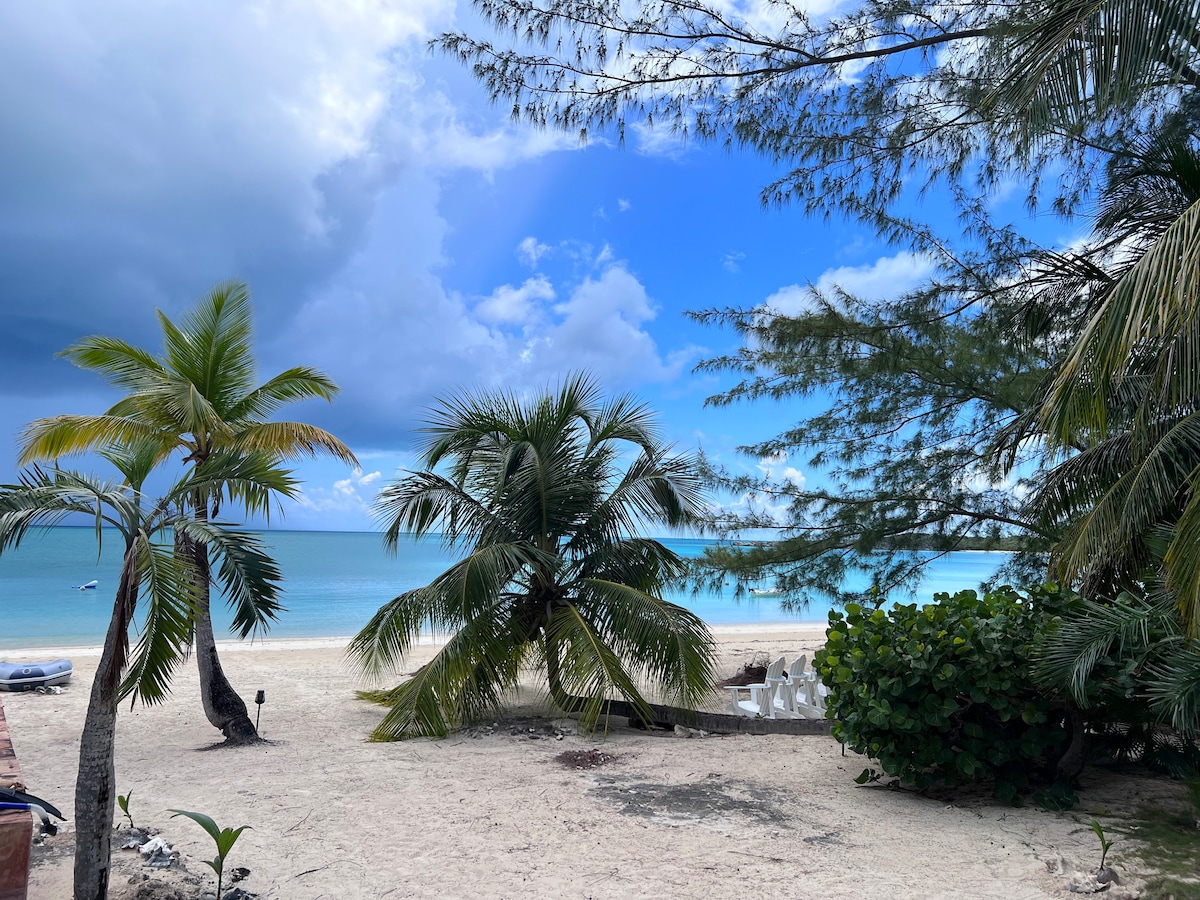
813,630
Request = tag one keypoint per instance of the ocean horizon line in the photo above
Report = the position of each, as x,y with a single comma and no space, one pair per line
55,590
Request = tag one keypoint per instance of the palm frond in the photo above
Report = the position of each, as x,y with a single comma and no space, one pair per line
292,440
663,643
45,499
423,501
294,384
249,576
473,585
54,438
1173,687
470,675
1083,60
1072,651
627,419
119,363
1153,305
170,593
396,626
214,349
579,656
1180,562
254,480
642,563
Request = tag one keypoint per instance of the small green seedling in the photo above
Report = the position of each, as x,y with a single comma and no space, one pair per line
1105,843
123,802
224,838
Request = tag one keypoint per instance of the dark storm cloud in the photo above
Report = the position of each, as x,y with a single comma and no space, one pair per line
152,150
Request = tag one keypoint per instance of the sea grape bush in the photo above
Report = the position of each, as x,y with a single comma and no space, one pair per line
943,694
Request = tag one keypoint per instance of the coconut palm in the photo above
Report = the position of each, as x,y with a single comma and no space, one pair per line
555,576
1128,400
1130,389
166,585
198,397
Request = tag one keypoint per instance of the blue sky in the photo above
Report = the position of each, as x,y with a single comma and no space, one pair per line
397,232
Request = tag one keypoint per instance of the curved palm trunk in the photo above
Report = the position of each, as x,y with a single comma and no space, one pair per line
223,706
95,797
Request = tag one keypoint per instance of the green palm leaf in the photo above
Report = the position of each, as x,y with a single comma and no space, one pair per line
469,676
166,635
250,576
534,491
1079,60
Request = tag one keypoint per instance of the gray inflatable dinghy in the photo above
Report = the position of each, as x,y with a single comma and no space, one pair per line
27,676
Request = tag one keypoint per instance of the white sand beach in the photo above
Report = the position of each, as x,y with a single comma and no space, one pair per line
491,813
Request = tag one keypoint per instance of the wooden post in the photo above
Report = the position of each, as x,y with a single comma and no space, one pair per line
16,827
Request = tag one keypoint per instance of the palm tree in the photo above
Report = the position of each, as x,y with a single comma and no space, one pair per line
554,576
151,572
1128,400
1129,391
198,397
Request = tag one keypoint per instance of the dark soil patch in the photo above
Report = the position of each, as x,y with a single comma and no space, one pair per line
585,759
713,799
753,672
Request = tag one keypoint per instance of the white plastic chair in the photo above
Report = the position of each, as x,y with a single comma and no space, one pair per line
792,684
810,698
763,696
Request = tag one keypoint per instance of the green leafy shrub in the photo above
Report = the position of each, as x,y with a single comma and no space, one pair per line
943,694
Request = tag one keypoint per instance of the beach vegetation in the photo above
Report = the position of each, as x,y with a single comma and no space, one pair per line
944,695
198,397
547,496
1014,373
1043,397
1105,843
123,803
158,585
937,434
223,839
1128,667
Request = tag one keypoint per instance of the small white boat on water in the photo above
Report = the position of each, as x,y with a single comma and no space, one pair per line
90,586
27,676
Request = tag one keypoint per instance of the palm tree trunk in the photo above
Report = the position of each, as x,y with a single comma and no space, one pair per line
95,797
223,706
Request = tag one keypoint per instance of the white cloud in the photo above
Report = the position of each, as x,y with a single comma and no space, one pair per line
658,140
773,467
393,337
624,205
600,328
530,250
516,305
886,278
732,261
342,499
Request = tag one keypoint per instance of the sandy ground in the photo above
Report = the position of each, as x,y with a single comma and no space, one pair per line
491,812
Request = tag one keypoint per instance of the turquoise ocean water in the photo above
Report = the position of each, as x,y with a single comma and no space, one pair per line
334,582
